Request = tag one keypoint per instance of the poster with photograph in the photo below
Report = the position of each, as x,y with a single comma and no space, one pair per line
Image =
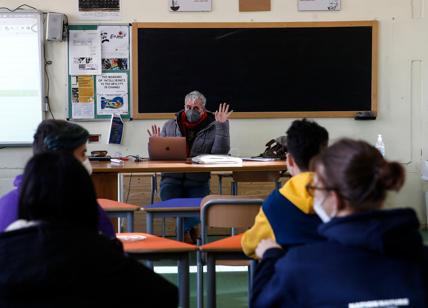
114,47
190,5
319,5
84,52
112,93
82,97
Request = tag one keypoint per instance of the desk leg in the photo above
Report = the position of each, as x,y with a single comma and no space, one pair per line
183,281
120,197
149,222
251,270
130,222
180,228
211,292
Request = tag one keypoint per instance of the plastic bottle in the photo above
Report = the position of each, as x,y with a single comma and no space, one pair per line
380,145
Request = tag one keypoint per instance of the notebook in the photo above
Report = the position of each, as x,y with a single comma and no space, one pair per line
167,148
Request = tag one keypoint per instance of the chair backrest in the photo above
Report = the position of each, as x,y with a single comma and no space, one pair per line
228,211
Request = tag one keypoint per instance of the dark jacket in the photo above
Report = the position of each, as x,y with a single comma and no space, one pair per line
376,258
50,266
213,139
9,211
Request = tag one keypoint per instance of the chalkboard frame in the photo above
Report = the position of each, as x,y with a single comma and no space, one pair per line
248,115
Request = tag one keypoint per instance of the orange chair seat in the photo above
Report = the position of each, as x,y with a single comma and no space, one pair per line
114,206
154,244
229,244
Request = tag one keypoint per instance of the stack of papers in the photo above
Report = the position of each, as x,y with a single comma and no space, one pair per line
262,159
216,159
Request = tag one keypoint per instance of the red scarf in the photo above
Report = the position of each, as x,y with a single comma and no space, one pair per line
188,126
191,125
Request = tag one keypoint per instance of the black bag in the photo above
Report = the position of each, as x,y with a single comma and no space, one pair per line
275,148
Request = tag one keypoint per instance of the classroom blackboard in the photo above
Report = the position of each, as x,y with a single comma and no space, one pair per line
261,69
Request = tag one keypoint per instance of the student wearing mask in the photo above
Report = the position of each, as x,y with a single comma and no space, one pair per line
206,133
54,136
287,215
49,260
371,257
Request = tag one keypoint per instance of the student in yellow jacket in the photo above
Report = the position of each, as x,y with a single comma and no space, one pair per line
287,215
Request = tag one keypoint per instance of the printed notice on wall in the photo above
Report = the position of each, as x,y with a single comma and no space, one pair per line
84,52
190,5
319,5
114,47
99,9
82,97
112,93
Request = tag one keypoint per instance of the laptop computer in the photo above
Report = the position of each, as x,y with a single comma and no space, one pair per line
167,148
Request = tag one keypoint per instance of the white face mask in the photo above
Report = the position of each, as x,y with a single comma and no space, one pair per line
87,164
319,209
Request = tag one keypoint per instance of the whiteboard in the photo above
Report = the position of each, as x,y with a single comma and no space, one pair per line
21,77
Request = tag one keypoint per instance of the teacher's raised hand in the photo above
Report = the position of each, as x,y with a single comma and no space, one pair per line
155,132
223,113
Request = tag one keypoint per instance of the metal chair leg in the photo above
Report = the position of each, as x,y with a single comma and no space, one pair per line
211,281
199,278
183,281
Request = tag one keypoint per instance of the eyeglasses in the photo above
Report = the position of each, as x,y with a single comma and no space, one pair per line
311,189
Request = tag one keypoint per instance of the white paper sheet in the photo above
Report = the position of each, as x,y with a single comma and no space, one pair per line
83,110
112,93
114,47
190,5
85,52
319,5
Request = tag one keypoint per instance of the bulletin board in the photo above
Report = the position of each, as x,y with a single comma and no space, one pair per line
98,71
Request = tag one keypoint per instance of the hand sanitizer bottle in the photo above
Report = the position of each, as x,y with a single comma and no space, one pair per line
380,145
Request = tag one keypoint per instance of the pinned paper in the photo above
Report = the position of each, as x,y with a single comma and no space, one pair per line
190,5
84,52
254,5
319,5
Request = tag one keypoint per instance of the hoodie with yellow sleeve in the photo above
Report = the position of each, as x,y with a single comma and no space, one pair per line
287,216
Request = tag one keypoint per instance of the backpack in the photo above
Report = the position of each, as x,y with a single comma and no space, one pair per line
275,148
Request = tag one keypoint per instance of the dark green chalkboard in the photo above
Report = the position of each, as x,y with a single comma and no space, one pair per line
262,70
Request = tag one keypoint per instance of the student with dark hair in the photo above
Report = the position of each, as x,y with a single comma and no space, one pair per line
371,258
287,215
51,136
53,255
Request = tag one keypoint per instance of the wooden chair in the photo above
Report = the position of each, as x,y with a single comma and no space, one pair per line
223,212
178,208
116,209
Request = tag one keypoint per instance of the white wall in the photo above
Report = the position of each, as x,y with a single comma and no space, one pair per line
403,47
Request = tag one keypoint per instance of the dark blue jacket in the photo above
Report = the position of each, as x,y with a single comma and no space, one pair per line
375,259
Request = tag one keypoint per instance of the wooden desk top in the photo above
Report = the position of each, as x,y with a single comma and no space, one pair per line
154,244
116,206
228,244
180,166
